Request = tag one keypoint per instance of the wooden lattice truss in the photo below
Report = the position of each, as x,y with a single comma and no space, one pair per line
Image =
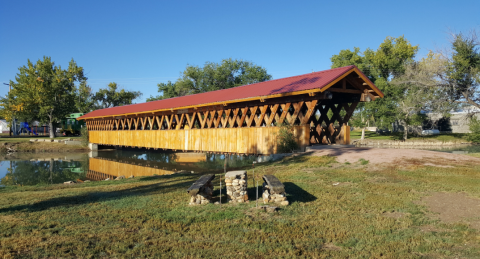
325,112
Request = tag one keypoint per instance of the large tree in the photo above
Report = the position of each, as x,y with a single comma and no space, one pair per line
84,102
462,75
381,66
212,76
44,91
420,82
112,96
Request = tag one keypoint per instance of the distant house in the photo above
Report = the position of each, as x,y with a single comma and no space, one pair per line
458,122
4,126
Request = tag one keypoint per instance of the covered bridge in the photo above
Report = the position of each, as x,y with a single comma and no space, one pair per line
242,119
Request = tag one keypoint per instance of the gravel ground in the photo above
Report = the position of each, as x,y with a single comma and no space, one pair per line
389,155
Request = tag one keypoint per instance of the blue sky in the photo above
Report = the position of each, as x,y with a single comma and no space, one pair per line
141,43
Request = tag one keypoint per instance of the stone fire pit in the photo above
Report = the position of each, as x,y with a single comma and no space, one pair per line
201,190
273,190
236,182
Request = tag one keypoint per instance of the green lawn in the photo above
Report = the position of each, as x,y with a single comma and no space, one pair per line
149,217
357,134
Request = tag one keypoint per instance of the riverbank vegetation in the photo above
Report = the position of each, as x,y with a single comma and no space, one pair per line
24,145
337,210
454,137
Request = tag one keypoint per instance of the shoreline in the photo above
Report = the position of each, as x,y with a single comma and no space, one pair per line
410,144
7,148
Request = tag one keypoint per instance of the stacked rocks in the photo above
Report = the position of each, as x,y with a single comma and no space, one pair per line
273,190
236,182
201,191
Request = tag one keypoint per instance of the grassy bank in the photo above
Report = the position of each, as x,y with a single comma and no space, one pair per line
369,135
23,144
373,211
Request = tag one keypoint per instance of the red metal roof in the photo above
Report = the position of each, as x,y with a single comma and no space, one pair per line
279,86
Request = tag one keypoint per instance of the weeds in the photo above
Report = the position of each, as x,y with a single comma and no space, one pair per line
363,161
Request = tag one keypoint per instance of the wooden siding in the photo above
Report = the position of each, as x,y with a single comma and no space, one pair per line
100,169
253,140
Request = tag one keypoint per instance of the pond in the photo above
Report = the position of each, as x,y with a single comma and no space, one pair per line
100,165
51,168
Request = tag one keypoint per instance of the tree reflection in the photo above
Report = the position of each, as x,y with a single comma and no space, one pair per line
44,172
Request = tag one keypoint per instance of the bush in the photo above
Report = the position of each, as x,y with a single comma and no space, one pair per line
84,136
286,142
475,129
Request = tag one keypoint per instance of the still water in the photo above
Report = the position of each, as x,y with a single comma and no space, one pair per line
100,165
96,166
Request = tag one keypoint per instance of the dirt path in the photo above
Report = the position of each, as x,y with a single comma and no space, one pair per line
386,156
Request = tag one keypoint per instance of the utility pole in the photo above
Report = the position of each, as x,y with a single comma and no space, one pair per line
12,127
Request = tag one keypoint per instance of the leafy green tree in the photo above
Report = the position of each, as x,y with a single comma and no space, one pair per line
463,73
212,76
111,96
84,102
388,62
421,92
44,92
474,126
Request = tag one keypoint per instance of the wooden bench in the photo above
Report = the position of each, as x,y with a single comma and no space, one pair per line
201,190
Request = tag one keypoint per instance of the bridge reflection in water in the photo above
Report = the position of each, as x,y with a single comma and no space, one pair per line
122,163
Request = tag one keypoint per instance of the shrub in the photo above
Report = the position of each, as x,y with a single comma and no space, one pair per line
84,136
475,129
286,142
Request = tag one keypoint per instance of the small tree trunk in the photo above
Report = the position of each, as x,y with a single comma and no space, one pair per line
363,133
405,130
51,130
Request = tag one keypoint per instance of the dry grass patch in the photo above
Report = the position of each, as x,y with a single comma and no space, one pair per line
454,208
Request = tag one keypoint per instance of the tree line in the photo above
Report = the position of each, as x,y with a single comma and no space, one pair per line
46,92
440,82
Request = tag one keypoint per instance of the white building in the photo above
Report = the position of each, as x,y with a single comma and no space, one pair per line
4,126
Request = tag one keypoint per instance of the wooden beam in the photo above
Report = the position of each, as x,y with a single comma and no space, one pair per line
150,122
311,107
226,119
231,121
297,107
159,121
242,118
170,122
285,108
179,121
263,110
273,113
253,111
204,120
348,91
129,123
217,121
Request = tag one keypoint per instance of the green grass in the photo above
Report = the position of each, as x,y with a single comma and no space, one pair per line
149,217
474,154
357,134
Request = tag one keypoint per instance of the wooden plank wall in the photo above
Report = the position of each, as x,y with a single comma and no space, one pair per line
253,140
117,169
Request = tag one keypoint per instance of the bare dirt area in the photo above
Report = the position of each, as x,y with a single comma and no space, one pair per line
454,207
391,156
